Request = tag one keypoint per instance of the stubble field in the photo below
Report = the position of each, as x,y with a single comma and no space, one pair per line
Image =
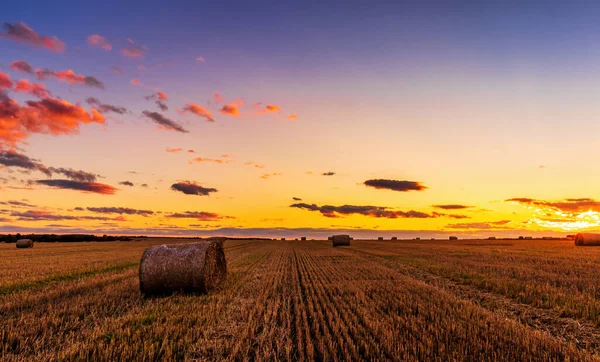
293,300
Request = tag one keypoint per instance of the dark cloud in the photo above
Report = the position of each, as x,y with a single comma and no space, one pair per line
94,187
566,205
126,183
162,105
144,185
371,211
164,122
70,76
159,99
22,66
328,173
37,215
12,158
105,108
395,185
502,224
120,210
79,209
16,203
452,207
192,188
23,33
76,175
296,199
199,215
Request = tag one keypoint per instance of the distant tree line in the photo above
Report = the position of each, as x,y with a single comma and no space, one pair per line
67,238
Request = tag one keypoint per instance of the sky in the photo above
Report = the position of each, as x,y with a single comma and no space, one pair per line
276,119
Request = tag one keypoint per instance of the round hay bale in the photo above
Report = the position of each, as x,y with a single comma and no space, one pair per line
587,239
24,243
453,238
189,268
341,240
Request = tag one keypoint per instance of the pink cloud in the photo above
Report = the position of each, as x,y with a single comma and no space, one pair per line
5,81
23,33
199,111
99,41
35,89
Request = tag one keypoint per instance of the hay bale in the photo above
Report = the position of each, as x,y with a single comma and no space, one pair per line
394,238
303,238
417,238
330,238
341,240
380,238
453,238
191,268
587,239
24,243
282,239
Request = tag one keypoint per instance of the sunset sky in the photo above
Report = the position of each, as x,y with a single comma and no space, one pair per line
273,119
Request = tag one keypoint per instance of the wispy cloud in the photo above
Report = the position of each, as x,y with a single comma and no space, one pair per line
395,185
164,122
99,41
199,111
93,187
23,33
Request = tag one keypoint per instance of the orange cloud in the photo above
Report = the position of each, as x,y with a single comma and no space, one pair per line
272,108
199,111
100,41
233,109
222,160
46,116
5,81
173,150
23,33
292,117
161,96
135,81
69,76
267,175
254,164
134,50
35,89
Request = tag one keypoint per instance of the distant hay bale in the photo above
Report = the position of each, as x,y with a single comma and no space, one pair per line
492,238
587,239
394,238
341,240
417,238
303,238
380,238
190,268
24,243
330,238
283,239
453,238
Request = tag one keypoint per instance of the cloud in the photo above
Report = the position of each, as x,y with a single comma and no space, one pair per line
451,207
328,173
99,41
23,33
135,82
144,185
192,188
395,185
173,150
159,99
12,158
232,109
502,224
199,215
566,205
269,108
70,77
16,203
105,108
116,70
76,175
126,183
38,215
120,210
34,89
164,122
22,66
266,176
94,187
212,160
292,117
134,50
371,211
218,98
200,59
254,164
199,111
296,199
5,81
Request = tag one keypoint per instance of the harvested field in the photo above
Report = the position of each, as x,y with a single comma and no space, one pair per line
283,300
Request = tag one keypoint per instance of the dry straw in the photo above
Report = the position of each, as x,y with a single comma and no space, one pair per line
191,268
24,243
587,239
341,240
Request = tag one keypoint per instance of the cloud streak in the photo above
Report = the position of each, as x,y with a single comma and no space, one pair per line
164,122
395,185
93,187
371,211
25,34
192,188
199,111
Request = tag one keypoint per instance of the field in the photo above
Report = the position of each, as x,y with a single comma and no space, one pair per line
482,300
